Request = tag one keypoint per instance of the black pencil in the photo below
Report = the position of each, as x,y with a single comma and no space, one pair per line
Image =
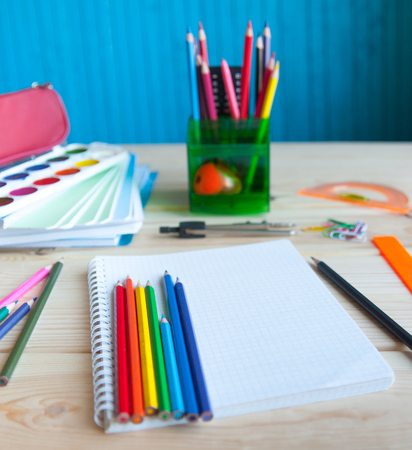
372,309
260,67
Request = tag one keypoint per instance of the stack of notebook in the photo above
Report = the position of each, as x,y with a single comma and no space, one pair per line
73,196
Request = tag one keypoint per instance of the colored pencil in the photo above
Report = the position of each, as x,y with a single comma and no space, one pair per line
185,375
15,354
135,377
192,74
370,307
260,66
26,286
173,380
6,310
203,44
268,71
201,89
121,370
207,84
270,93
230,90
146,358
267,37
15,318
199,382
158,358
245,76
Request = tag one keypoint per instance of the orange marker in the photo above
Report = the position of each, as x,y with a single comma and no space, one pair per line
397,257
135,377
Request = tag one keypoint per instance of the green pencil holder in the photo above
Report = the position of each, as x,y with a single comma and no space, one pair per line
228,166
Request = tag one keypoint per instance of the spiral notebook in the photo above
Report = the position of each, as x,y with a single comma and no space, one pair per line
270,335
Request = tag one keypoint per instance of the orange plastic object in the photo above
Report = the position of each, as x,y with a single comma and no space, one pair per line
207,180
396,200
397,257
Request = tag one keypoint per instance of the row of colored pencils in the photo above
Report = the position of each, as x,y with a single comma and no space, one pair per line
10,315
157,366
201,88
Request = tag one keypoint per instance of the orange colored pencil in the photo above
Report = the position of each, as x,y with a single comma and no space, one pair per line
133,353
246,68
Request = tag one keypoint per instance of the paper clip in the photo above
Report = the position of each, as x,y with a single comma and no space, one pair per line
189,230
347,232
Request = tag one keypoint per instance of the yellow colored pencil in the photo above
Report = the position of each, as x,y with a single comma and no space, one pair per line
151,403
270,93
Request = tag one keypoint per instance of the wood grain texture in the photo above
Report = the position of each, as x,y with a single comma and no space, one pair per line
49,403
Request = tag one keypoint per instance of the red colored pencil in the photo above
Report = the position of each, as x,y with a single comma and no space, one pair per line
246,68
207,84
203,43
230,90
122,381
268,71
133,352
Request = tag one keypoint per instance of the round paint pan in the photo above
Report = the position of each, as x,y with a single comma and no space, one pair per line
5,201
58,159
38,167
23,191
46,181
17,176
87,162
66,172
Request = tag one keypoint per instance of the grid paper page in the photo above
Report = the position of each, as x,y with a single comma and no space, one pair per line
269,332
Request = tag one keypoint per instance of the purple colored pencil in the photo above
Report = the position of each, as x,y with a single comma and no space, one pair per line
267,37
15,318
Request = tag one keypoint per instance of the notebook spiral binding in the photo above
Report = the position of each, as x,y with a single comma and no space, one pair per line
101,340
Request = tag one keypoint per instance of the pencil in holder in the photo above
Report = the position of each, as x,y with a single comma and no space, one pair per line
228,166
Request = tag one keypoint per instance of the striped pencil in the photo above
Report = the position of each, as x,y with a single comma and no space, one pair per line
207,85
189,395
246,68
26,286
173,381
230,90
270,93
268,71
260,67
203,44
158,358
6,310
201,89
191,54
267,37
15,318
28,328
146,358
135,378
193,354
122,379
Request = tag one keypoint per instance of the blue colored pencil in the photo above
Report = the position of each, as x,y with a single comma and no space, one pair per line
193,354
191,57
267,37
172,374
189,395
9,323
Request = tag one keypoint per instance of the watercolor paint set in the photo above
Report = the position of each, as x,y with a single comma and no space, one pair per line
54,172
85,195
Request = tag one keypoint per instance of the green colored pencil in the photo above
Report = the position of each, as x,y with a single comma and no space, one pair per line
6,310
158,359
18,349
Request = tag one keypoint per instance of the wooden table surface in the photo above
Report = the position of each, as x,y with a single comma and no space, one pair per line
49,401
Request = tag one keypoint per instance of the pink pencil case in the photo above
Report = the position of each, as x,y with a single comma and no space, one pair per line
32,121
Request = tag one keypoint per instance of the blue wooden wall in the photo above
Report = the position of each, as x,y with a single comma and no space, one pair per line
120,65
